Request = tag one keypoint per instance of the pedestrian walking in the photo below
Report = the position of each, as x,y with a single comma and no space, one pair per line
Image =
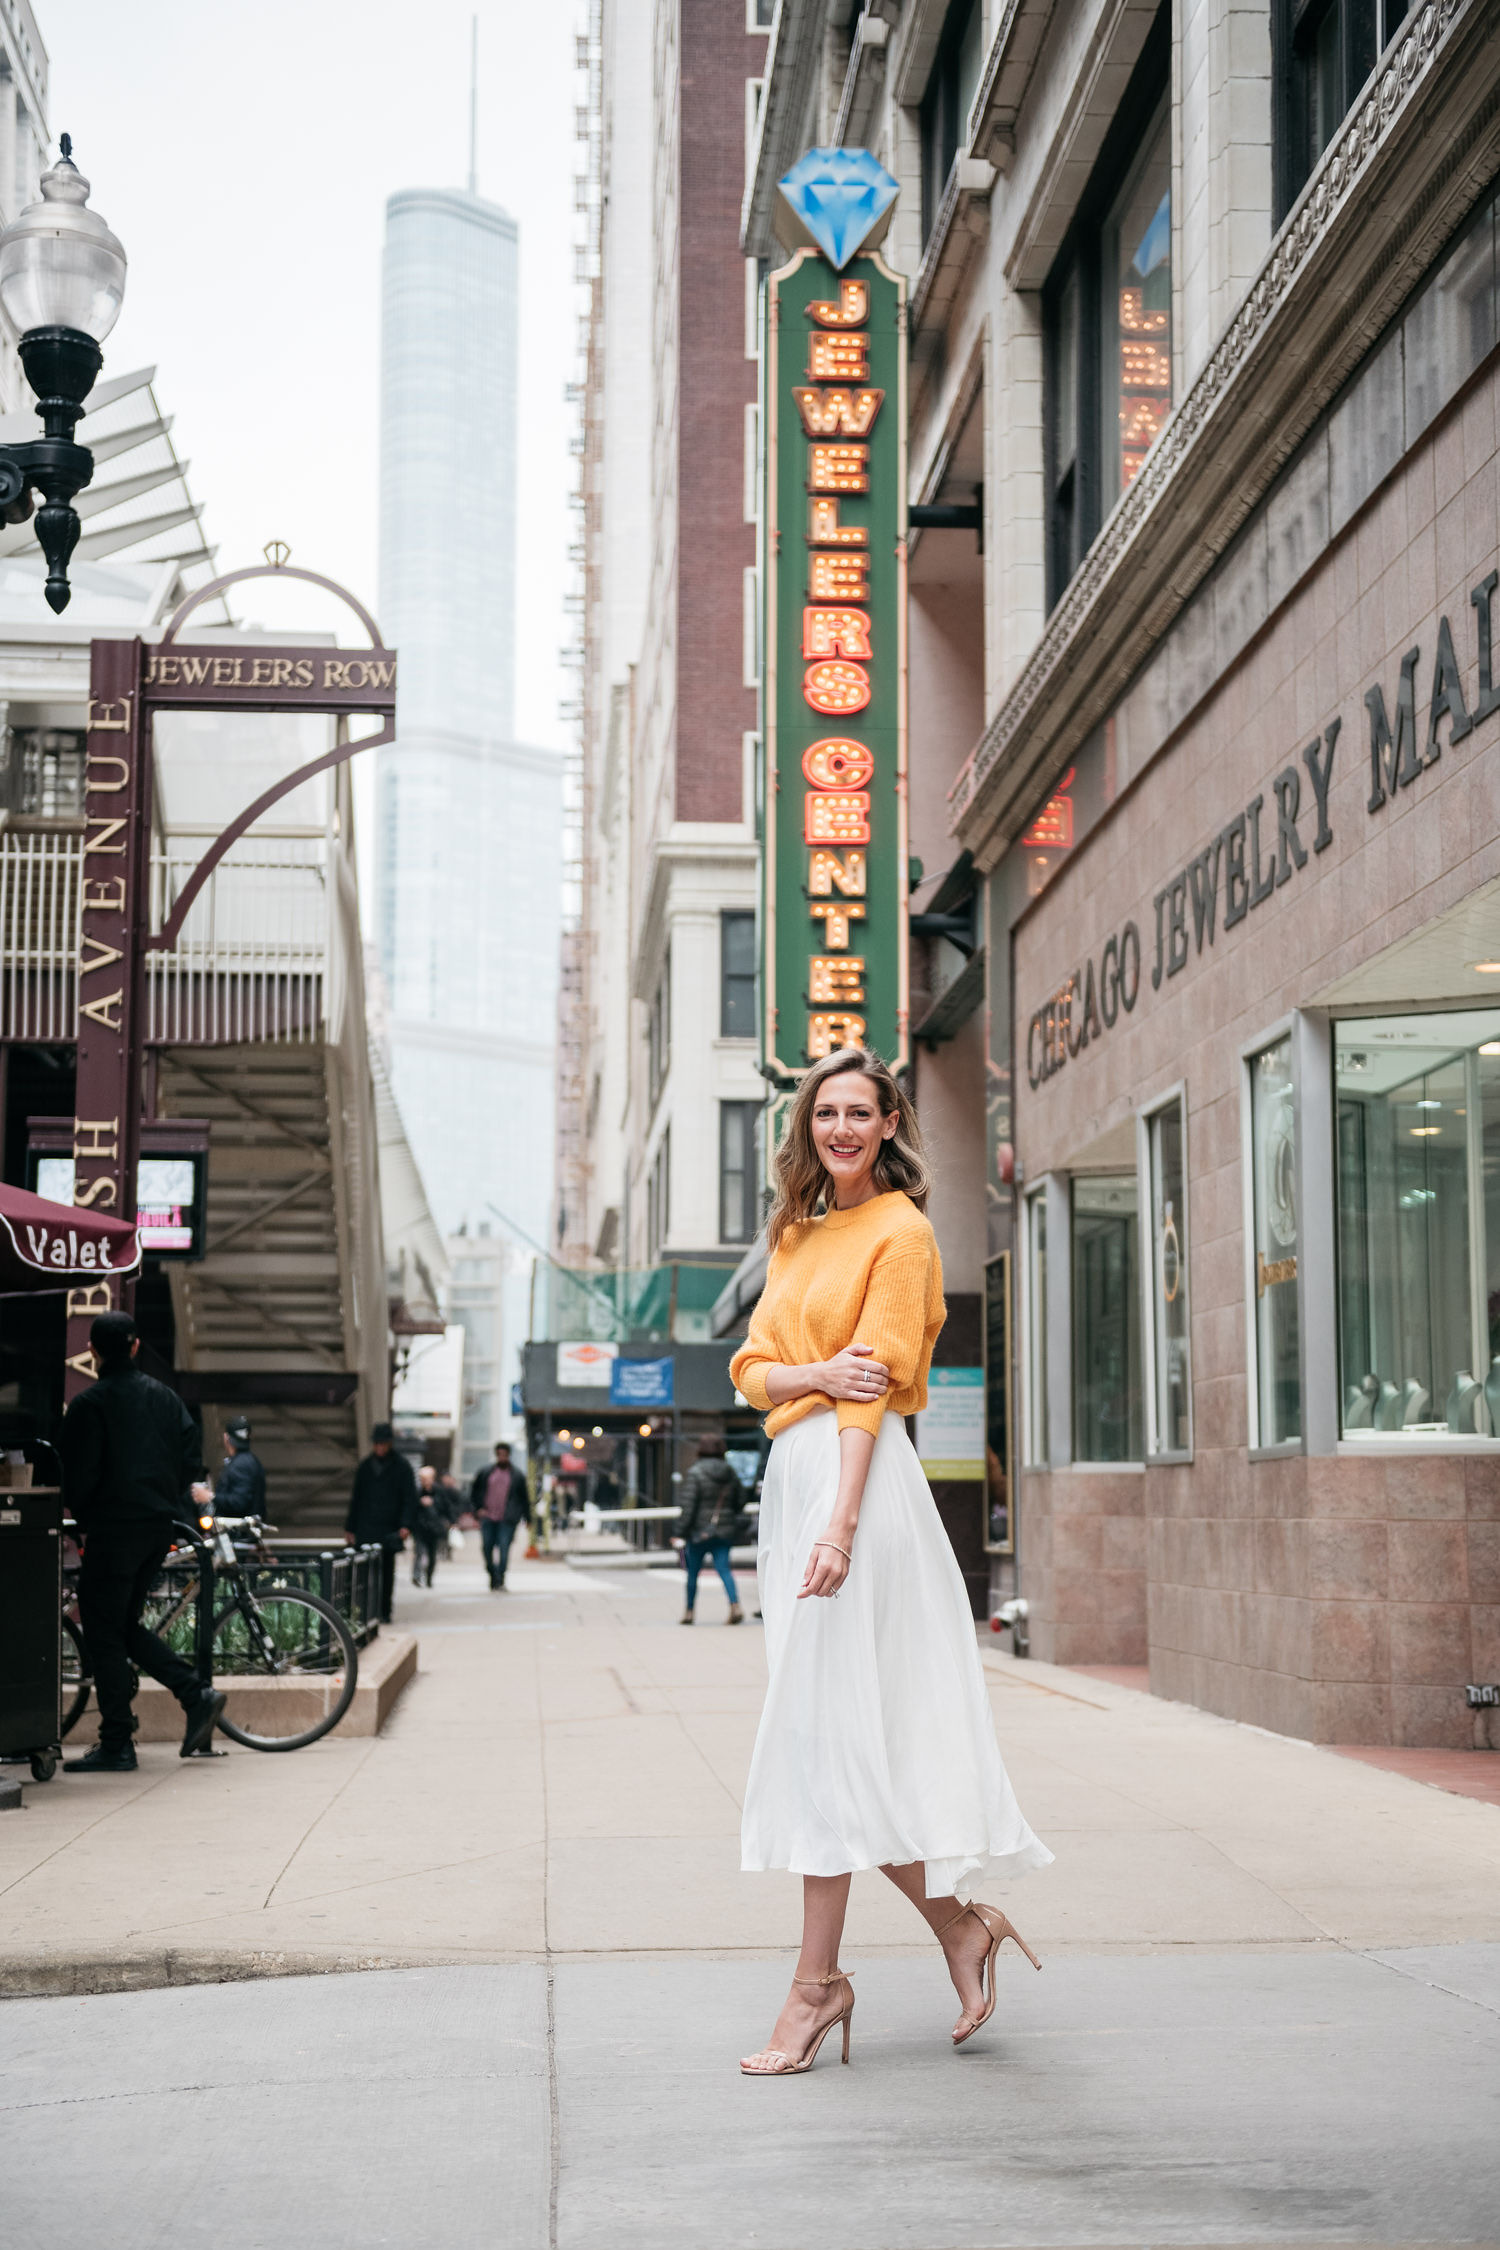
455,1507
712,1521
876,1745
132,1463
241,1489
429,1527
381,1507
499,1498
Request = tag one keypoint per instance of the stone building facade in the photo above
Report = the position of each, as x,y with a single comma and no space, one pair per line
1204,327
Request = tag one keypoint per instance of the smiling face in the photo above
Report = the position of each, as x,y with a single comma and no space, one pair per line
847,1132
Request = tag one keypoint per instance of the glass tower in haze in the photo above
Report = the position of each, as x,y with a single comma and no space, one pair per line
468,844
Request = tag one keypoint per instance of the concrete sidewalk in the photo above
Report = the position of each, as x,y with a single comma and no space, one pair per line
563,1777
1270,2012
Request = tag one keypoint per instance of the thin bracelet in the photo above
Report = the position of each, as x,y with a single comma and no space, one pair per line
838,1550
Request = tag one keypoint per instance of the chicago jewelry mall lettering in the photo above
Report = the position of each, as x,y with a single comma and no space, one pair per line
1234,862
1248,862
1085,1007
1236,866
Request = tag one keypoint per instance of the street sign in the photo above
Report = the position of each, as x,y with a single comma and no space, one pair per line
584,1367
641,1382
834,558
257,678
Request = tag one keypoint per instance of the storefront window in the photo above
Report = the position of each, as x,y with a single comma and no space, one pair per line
1106,1320
1036,1330
1419,1223
1136,343
1273,1136
1171,1386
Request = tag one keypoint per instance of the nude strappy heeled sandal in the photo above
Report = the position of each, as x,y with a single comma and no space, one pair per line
1000,1928
787,2066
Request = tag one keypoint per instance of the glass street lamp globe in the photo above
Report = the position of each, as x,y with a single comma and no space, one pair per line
60,266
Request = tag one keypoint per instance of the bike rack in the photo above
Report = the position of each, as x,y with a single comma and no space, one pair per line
203,1653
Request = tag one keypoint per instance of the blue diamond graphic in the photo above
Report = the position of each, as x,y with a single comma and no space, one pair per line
839,195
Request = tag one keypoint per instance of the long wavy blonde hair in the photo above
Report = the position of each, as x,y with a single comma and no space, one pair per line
801,1180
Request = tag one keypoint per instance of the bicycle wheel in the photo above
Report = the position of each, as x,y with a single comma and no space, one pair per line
75,1676
302,1654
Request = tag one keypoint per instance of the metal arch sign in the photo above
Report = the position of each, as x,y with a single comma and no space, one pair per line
834,664
129,682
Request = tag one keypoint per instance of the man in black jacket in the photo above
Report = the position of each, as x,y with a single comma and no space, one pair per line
498,1497
241,1489
132,1462
382,1507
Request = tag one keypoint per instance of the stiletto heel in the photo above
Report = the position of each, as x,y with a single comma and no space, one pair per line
1000,1927
784,2065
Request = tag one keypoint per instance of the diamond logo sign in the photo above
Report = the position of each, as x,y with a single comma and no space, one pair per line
839,199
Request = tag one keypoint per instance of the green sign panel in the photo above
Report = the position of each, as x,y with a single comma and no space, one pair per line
835,860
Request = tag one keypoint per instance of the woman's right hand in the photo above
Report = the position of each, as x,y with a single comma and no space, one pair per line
854,1373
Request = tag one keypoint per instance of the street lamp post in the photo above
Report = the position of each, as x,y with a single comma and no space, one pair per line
62,281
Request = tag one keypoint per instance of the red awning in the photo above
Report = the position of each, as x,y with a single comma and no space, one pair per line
53,1246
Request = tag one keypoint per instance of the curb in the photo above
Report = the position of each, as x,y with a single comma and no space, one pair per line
34,1977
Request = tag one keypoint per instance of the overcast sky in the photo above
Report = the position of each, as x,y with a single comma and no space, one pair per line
243,153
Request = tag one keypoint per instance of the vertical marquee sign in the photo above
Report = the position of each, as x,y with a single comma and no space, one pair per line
835,859
113,881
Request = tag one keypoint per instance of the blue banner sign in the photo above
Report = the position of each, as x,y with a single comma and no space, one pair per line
640,1382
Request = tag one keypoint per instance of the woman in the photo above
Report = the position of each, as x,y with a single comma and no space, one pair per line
876,1745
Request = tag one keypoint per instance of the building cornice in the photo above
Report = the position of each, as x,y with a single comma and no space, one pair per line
698,853
862,79
793,54
1013,54
962,223
1419,150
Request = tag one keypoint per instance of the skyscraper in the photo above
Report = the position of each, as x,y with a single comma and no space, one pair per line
468,850
468,853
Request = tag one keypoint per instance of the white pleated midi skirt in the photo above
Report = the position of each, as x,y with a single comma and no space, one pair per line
877,1745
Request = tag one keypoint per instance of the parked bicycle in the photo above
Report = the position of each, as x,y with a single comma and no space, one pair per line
244,1634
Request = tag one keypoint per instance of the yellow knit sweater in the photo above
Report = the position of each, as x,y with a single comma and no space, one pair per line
867,1276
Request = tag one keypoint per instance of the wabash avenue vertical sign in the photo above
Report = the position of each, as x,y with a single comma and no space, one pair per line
115,872
835,868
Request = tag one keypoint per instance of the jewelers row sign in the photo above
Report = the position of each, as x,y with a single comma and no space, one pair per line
835,867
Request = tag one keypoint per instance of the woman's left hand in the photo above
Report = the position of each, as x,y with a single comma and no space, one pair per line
827,1568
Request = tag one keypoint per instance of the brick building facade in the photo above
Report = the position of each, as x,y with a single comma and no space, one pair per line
663,1095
